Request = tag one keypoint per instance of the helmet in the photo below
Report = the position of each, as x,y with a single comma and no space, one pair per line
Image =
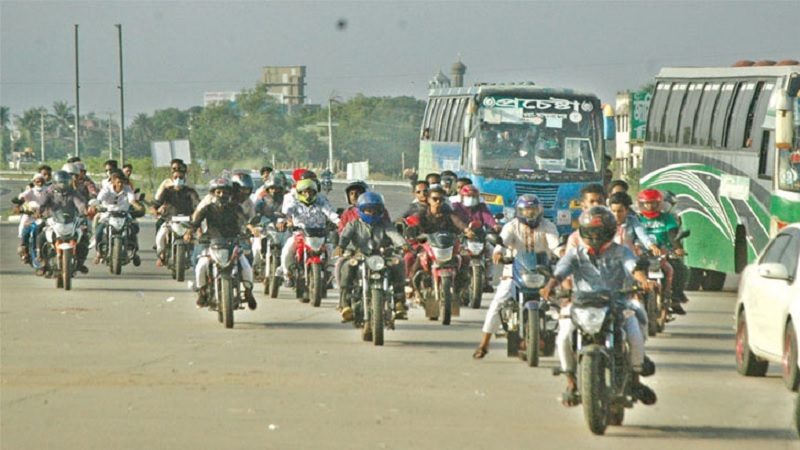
80,166
597,226
448,180
71,169
370,200
297,173
358,184
308,175
219,183
647,196
468,196
309,186
61,180
279,179
242,180
528,210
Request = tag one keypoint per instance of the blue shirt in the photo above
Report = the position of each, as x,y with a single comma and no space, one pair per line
612,270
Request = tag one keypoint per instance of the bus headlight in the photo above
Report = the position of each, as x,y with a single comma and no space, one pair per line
492,199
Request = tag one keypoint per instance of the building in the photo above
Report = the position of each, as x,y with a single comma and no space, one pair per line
630,117
457,71
218,97
285,83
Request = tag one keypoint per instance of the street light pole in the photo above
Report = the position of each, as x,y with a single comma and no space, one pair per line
41,132
330,135
121,102
77,101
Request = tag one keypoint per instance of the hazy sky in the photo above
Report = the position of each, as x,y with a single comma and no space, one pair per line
176,50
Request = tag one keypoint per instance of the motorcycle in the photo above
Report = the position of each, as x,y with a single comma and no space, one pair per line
527,317
272,241
63,232
311,255
440,263
225,277
178,257
655,304
474,250
117,246
372,293
604,374
32,209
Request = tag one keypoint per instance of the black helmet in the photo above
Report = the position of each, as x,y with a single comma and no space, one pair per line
597,226
358,184
62,180
219,183
242,180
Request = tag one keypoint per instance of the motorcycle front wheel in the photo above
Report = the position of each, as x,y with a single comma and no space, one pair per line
377,316
476,287
447,299
594,393
66,268
226,301
315,285
532,335
116,256
180,262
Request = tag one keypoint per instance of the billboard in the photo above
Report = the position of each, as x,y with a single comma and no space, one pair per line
162,152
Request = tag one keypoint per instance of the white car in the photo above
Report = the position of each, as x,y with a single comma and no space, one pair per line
768,310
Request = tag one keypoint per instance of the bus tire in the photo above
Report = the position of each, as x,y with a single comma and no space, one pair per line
695,279
714,281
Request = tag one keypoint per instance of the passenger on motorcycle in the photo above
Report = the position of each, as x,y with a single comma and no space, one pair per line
274,188
420,202
528,231
268,200
177,199
449,179
38,194
82,182
596,264
630,231
299,175
370,226
663,229
224,219
310,210
121,198
61,196
470,208
352,192
591,195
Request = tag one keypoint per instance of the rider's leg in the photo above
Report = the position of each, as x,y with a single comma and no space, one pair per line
247,281
287,255
201,278
681,273
491,324
161,241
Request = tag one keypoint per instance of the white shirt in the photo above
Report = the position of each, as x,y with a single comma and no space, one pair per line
515,235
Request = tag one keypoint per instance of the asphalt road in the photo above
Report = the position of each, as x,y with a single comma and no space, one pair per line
128,362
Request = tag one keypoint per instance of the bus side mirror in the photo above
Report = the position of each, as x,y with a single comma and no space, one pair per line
784,121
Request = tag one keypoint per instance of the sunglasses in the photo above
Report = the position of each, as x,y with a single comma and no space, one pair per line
435,199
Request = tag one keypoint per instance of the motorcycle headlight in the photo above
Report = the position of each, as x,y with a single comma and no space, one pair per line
315,243
533,280
442,254
589,320
64,229
475,247
376,263
116,222
220,255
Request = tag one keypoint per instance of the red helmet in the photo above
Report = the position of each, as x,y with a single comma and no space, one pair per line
297,174
648,196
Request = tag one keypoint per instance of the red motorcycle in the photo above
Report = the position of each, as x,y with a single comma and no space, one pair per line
311,255
440,261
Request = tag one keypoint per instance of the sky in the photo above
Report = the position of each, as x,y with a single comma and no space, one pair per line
174,51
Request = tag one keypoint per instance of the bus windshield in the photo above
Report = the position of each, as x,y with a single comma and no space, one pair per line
529,140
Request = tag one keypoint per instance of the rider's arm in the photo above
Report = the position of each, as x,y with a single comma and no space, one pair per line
639,231
329,212
346,236
508,236
551,236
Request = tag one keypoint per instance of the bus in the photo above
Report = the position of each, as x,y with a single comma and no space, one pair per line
725,141
516,139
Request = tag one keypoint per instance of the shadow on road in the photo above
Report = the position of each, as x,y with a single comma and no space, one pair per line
710,432
704,368
655,350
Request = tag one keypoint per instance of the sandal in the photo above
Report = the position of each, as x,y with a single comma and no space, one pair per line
480,352
570,398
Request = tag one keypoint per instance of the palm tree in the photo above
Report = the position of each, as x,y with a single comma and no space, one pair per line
64,118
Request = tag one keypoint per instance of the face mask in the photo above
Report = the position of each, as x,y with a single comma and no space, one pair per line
469,202
179,182
38,189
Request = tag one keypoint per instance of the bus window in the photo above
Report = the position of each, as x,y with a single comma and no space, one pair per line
721,112
765,155
457,128
751,112
672,115
739,118
702,129
658,105
689,112
447,120
438,130
759,114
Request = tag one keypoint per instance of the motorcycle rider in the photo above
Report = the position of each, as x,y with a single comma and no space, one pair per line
596,264
449,183
352,192
370,226
178,199
224,219
310,210
528,231
109,166
38,194
591,195
117,194
61,196
663,230
629,228
83,183
268,200
420,202
468,204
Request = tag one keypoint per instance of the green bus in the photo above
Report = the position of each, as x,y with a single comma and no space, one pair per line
726,141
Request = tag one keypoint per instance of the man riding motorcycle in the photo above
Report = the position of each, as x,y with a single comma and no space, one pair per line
61,196
311,211
370,227
177,199
528,231
116,194
224,219
597,264
38,194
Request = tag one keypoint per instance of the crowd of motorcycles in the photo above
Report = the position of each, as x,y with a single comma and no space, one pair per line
454,273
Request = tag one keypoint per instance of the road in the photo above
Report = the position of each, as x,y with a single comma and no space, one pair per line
128,362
